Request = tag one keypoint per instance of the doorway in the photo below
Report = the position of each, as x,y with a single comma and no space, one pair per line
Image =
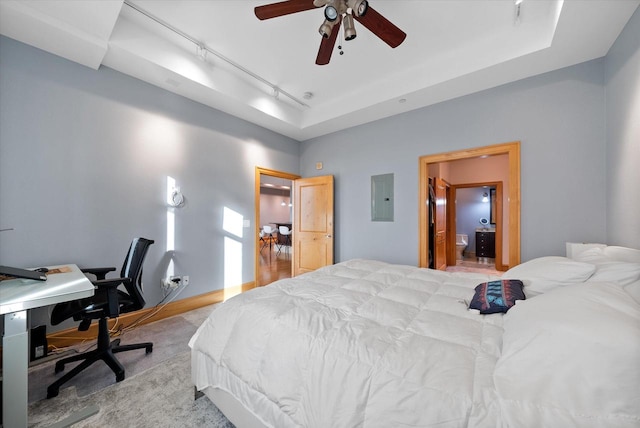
512,196
477,233
273,208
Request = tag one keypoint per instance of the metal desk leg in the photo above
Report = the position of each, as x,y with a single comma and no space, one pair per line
15,364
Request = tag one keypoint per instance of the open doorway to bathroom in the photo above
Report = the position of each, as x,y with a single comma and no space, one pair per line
473,166
477,225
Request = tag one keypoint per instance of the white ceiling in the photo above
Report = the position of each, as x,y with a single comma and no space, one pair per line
453,48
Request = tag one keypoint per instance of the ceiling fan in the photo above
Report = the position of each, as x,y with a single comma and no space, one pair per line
337,12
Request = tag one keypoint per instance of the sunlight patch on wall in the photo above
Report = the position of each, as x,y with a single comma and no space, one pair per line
232,262
171,225
232,223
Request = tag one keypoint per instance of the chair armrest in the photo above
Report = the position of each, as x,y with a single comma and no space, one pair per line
110,286
100,272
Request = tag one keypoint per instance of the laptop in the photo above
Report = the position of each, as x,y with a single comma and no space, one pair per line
22,273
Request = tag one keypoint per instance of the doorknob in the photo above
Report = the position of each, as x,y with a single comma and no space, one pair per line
328,236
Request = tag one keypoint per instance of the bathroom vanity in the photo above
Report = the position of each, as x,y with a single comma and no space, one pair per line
486,243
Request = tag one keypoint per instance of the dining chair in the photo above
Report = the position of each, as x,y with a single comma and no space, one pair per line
286,233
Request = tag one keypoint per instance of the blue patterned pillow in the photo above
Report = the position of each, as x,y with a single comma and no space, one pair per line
497,296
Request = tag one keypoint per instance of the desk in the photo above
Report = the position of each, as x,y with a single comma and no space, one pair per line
17,296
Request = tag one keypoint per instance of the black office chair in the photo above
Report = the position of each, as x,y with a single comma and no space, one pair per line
107,302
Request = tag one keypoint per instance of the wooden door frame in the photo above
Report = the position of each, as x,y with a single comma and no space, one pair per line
272,173
498,214
451,225
512,150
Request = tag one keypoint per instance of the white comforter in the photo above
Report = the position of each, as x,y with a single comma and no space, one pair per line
358,344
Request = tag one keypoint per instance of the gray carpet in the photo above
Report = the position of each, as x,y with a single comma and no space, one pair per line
157,391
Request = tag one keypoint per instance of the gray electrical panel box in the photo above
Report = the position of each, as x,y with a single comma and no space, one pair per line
382,197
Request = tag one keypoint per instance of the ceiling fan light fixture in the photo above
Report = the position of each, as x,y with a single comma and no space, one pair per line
349,27
330,13
326,28
359,7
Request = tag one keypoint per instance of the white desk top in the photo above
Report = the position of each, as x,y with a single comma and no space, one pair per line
22,294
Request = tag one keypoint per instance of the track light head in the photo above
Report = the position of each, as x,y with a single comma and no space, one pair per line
201,52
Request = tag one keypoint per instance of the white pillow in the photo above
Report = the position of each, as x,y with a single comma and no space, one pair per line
546,273
622,254
574,249
618,272
593,256
570,358
609,254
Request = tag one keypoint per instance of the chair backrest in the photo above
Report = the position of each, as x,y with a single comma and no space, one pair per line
132,268
284,230
267,229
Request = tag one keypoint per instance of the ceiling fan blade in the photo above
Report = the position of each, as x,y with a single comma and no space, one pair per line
274,10
327,44
382,27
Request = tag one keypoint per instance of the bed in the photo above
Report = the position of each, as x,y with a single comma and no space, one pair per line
364,343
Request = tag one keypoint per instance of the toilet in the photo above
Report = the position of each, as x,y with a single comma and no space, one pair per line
462,241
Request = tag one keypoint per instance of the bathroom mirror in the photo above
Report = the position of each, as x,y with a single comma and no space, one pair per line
492,199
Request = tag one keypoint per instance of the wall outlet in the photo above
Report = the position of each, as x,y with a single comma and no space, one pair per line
174,282
185,280
171,283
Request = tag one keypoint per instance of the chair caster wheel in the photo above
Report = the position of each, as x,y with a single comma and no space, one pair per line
120,377
59,368
148,349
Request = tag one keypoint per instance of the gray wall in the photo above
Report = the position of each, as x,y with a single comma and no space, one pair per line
622,80
84,160
558,117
